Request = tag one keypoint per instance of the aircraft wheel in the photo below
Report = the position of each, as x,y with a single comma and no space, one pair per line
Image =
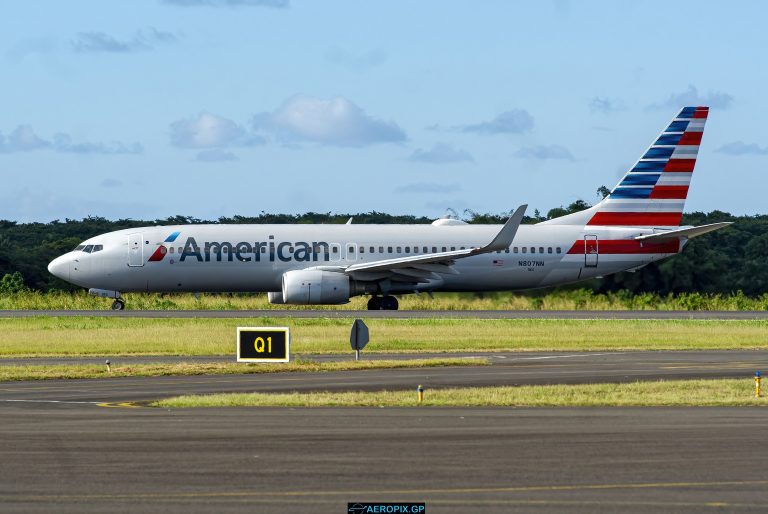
374,304
389,303
118,305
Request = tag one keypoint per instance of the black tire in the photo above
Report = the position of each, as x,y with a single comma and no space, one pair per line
118,305
375,304
389,303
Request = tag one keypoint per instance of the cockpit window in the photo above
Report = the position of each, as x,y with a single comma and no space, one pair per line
88,249
98,248
78,248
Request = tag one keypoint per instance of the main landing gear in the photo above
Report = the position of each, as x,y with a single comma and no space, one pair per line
118,305
382,303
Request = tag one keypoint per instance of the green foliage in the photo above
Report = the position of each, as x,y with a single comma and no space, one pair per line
12,283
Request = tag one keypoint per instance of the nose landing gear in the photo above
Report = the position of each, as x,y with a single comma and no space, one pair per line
382,303
117,305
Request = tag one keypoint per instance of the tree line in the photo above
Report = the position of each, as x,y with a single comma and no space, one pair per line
726,261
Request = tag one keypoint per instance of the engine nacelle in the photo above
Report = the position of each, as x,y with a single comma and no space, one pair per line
303,287
275,297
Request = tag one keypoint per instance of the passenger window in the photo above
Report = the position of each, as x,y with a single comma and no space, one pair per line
541,249
407,249
225,250
462,248
549,250
415,249
533,249
381,249
514,249
506,250
444,249
426,250
558,249
525,249
434,249
389,249
362,249
88,249
399,249
453,248
181,250
371,249
351,249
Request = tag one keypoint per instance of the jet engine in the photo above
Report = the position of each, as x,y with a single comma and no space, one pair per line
316,287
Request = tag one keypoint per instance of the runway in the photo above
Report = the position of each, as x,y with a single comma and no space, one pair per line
76,446
80,459
455,314
505,369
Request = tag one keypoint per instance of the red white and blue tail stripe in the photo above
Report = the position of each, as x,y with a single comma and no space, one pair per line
653,192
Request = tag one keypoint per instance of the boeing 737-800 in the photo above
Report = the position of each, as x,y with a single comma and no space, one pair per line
636,224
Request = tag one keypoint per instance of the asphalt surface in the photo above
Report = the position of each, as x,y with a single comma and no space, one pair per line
324,313
76,446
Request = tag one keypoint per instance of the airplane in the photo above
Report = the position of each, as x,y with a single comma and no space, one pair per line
636,224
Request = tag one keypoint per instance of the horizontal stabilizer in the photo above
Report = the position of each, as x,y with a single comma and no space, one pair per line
689,232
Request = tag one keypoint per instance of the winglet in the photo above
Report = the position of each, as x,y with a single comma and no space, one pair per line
504,238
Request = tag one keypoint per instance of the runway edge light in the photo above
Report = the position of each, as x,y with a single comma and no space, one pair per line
263,344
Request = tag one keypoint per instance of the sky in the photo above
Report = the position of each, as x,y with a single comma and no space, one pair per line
147,109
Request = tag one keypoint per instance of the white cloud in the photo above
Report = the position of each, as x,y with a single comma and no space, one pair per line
516,121
606,105
24,139
742,148
215,155
691,97
101,42
544,152
208,131
441,153
356,62
334,122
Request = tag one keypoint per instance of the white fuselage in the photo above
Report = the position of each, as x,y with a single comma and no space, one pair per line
224,258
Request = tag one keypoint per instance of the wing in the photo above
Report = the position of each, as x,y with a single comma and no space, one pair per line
427,267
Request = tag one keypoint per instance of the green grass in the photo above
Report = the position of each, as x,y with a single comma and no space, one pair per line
37,372
559,300
83,336
677,393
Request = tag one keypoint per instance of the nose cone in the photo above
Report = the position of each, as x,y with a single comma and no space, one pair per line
59,267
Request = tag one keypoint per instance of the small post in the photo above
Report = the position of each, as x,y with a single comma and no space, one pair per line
420,390
757,384
357,354
109,367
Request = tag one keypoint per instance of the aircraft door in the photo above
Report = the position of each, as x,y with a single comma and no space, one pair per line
351,252
590,251
135,250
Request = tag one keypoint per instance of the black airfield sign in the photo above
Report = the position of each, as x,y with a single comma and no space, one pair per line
263,344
